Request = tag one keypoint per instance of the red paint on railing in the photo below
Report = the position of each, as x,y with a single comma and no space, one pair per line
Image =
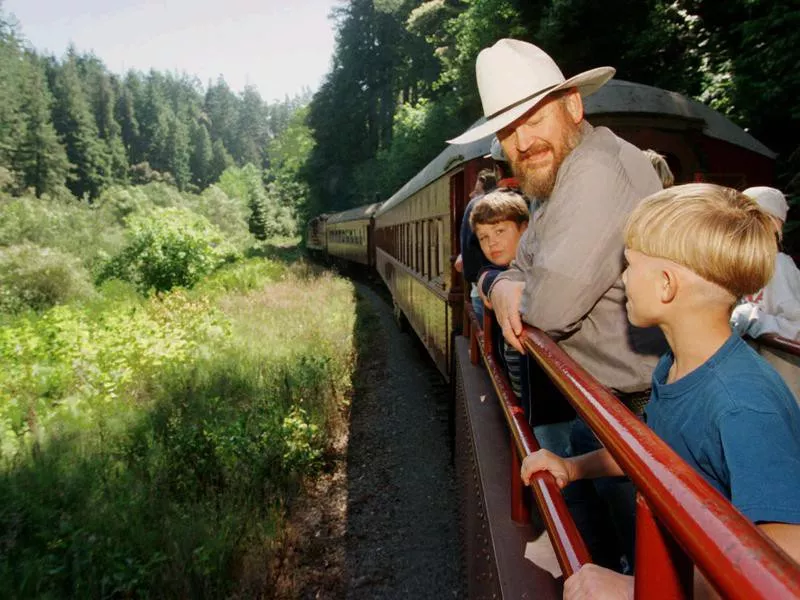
736,558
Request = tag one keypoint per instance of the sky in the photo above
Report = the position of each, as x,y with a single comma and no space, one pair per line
279,46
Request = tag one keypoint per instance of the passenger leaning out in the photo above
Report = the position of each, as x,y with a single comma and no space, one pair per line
499,219
692,250
776,307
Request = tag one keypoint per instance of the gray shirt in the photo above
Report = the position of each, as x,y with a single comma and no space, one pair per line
571,260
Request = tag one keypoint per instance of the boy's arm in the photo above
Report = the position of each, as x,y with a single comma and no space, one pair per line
786,536
566,470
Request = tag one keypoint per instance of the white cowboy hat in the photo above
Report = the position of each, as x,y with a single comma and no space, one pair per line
513,76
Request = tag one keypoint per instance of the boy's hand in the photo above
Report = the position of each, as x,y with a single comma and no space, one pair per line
485,299
596,583
543,460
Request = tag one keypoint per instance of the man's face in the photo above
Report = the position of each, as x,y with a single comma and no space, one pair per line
538,142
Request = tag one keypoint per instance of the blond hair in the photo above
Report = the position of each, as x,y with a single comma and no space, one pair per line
715,231
501,204
661,166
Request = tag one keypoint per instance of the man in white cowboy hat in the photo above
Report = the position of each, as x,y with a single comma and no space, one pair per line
566,278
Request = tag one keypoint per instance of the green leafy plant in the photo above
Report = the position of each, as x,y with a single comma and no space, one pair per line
169,248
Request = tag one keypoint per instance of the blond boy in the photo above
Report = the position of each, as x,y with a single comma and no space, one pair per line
692,251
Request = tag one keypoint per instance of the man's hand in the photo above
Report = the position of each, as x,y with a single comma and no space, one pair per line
505,299
459,264
544,460
596,583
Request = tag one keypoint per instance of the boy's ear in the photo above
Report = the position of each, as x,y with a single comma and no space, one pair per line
669,285
523,226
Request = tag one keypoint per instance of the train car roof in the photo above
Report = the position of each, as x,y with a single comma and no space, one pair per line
616,96
619,96
354,214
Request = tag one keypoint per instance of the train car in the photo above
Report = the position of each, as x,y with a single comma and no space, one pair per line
315,235
681,521
417,228
349,235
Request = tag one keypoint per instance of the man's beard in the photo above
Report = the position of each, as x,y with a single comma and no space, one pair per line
538,182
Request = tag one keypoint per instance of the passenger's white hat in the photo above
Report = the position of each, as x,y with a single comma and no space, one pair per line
513,76
496,152
770,200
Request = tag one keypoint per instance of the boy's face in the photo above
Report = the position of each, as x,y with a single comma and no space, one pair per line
643,287
499,240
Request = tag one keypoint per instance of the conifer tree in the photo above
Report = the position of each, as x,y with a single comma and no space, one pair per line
201,154
220,160
176,151
39,157
75,124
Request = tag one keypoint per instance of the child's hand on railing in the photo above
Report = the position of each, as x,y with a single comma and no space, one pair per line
542,460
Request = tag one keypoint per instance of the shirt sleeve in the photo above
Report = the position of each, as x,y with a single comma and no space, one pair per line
762,458
579,244
781,312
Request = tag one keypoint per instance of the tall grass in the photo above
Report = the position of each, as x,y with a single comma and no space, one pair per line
148,446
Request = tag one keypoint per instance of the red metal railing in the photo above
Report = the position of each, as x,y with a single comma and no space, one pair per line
780,343
681,519
569,547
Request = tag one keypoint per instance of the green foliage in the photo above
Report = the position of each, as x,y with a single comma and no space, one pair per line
267,218
148,447
38,278
168,248
63,224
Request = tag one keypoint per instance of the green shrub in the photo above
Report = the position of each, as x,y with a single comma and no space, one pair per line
169,248
37,278
228,214
65,224
150,445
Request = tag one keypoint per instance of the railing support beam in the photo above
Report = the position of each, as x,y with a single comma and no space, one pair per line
663,571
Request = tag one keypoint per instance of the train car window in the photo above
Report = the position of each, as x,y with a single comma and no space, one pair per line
426,271
439,244
418,246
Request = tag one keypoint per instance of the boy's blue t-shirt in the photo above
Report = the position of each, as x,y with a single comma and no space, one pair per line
735,422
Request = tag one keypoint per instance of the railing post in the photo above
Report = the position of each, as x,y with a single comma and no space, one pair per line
520,513
487,331
663,571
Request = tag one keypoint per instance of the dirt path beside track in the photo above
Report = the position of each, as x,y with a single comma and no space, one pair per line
382,522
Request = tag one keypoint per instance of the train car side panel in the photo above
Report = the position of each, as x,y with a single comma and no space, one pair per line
349,240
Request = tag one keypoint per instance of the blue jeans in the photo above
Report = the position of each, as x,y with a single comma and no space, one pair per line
604,509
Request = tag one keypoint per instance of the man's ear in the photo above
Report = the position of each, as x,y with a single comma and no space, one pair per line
669,285
574,105
523,226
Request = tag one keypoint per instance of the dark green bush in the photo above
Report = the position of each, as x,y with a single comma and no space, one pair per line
169,248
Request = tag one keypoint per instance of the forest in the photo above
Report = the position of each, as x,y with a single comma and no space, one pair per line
403,78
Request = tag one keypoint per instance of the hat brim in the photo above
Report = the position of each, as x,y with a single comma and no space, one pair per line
587,83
